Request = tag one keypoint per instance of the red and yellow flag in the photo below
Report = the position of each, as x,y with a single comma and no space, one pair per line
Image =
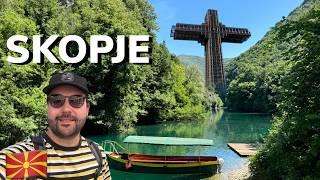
26,164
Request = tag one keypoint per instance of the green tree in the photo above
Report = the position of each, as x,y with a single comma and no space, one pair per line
122,94
292,149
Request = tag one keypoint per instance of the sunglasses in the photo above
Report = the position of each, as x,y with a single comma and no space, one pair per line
58,101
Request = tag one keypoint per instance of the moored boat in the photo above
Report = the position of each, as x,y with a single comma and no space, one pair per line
165,164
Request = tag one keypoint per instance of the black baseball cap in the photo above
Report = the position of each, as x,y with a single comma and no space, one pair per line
67,78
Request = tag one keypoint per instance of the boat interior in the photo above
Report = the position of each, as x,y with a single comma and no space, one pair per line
166,159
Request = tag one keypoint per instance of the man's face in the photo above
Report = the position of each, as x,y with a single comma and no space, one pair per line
67,121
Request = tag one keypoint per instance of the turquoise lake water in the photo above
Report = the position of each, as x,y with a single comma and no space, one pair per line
222,127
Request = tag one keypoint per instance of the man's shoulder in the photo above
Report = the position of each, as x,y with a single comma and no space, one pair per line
22,146
89,141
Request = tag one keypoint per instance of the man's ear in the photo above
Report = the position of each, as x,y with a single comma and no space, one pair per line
88,104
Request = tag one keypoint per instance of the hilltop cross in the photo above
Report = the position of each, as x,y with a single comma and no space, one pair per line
211,34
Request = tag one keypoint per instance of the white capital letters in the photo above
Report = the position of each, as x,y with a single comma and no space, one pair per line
11,46
132,47
133,39
120,50
38,48
63,49
95,49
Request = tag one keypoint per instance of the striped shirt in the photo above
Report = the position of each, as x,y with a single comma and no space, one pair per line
62,162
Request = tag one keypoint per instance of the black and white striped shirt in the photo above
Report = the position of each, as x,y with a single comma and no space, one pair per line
62,162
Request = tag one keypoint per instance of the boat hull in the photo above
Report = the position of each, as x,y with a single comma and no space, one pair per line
163,164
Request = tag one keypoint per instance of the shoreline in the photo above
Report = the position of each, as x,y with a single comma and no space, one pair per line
240,173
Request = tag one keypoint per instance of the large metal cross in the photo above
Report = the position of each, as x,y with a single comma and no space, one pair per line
211,34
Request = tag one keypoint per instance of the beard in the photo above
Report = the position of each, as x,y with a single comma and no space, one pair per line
66,132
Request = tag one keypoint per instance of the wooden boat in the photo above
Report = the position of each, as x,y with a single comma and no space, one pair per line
165,164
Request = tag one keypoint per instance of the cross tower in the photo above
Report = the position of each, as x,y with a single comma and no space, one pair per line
211,34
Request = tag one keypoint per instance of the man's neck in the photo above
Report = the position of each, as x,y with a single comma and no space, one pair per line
66,142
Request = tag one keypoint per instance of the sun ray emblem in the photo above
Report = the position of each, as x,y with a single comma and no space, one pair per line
26,164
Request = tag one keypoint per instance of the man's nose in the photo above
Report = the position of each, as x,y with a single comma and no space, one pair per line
66,106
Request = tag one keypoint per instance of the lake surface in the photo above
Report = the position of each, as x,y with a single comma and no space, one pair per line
222,127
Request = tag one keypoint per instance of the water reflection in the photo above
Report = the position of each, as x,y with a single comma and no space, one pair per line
139,176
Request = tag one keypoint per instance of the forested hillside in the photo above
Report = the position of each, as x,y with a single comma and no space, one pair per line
196,61
199,62
122,94
281,74
254,78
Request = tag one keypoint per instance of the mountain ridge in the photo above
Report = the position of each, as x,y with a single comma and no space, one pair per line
189,60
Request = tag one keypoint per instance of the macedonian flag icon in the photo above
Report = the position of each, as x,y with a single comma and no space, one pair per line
26,164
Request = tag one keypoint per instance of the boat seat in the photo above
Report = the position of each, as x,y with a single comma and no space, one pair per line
159,161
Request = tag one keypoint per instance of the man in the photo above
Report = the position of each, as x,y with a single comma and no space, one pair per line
69,155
